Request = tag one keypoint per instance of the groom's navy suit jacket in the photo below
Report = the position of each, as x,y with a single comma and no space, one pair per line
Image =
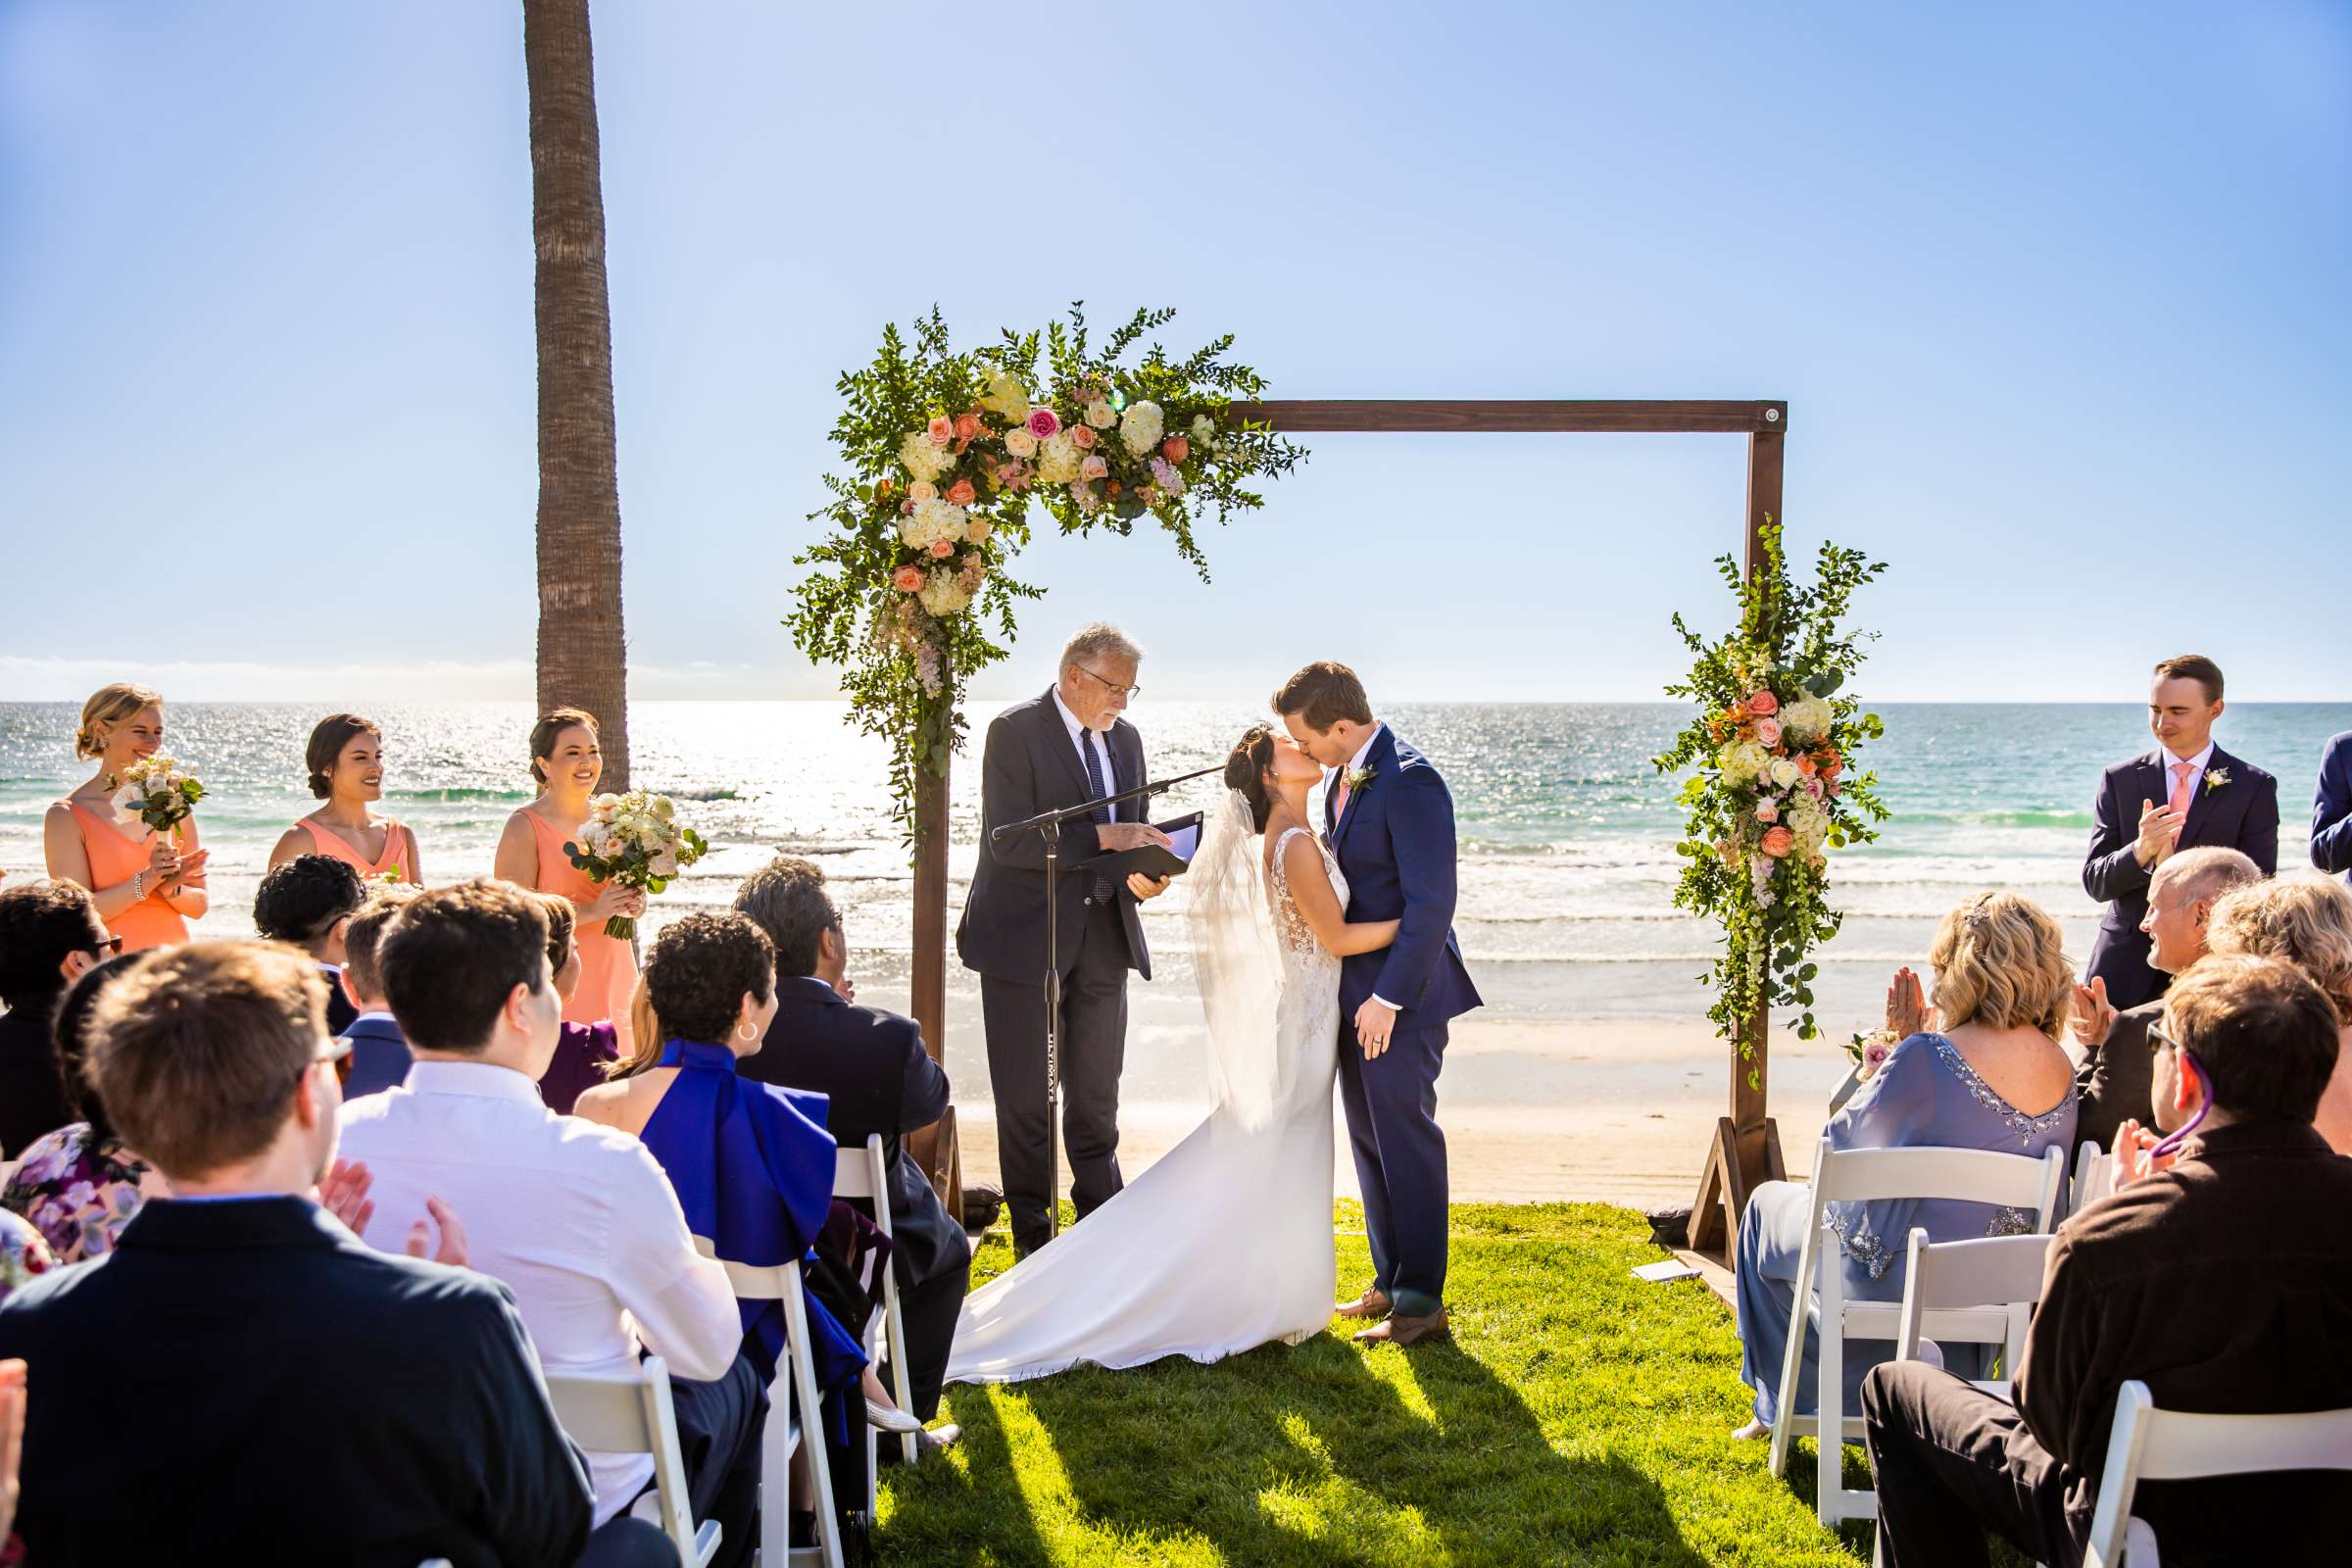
2332,808
2241,815
1395,847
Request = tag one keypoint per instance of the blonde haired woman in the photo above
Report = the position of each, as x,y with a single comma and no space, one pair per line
147,885
1991,1075
2307,920
568,761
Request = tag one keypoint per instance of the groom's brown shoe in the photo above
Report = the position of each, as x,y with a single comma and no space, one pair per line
1370,1304
1401,1331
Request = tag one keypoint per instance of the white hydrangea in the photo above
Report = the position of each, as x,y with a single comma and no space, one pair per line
922,458
944,594
1101,415
1007,397
1805,719
1742,762
1057,459
1204,428
1140,427
931,521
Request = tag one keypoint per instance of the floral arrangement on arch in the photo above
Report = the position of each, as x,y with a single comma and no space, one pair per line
947,453
1776,788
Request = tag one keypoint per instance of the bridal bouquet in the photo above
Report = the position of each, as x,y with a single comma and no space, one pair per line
636,841
162,792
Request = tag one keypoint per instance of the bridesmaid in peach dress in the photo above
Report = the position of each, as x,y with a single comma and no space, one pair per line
346,760
147,886
568,761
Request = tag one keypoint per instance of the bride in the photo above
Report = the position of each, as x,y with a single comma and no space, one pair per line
1225,1244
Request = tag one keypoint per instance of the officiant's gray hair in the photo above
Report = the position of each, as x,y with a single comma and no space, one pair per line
1094,640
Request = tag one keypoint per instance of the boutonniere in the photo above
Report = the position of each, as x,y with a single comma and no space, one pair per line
2215,777
1359,779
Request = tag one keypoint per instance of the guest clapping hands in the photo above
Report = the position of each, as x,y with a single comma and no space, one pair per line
148,885
346,761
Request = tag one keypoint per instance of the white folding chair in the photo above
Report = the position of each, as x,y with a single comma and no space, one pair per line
793,1415
2094,1176
1972,1293
2152,1444
862,1173
1862,1175
625,1414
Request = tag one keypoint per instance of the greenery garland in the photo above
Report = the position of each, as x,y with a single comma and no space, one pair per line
944,454
1776,788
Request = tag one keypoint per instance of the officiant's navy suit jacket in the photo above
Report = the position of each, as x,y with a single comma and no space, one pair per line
2332,808
1395,847
2241,815
1031,766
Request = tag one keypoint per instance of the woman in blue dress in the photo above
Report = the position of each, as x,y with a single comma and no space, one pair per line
1990,1075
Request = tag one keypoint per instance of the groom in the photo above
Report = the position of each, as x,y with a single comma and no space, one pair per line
1390,824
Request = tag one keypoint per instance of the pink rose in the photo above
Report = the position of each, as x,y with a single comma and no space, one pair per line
1093,467
941,550
1083,434
1767,811
1768,731
1042,424
1763,705
907,578
960,492
941,430
1778,841
1176,448
1830,789
1814,787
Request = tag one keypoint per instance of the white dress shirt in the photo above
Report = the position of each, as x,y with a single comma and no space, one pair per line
577,1219
1081,737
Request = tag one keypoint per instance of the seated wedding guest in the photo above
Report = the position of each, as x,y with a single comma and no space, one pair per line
80,1186
585,1053
1990,1075
2115,1073
2308,922
50,936
240,1338
24,1256
147,885
2186,793
2332,808
346,761
567,762
579,1220
871,1068
306,903
752,1165
2214,1280
380,1052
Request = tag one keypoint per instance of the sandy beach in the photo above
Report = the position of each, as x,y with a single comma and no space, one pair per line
1606,1112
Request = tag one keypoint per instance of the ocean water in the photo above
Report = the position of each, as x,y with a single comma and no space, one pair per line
1567,835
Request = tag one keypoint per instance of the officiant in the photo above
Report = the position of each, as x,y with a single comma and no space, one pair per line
1062,748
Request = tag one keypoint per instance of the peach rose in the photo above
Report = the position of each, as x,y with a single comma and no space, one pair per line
907,578
1806,765
941,430
1763,705
977,531
1768,731
1767,811
1093,467
967,426
1175,449
941,550
922,490
1083,434
1778,841
960,492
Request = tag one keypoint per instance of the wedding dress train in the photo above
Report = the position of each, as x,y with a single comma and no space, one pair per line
1225,1244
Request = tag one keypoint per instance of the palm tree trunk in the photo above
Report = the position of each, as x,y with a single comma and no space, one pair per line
583,654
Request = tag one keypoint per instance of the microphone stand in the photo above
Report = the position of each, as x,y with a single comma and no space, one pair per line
1047,826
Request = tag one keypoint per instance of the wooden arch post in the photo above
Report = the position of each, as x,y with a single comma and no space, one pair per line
1745,1149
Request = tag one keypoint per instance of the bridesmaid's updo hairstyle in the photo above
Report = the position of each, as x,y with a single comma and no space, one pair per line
552,725
108,706
334,732
1245,770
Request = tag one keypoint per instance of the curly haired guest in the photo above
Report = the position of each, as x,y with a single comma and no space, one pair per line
1991,1075
306,903
50,936
147,885
346,761
2308,922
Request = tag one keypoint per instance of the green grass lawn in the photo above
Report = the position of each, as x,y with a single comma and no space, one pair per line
1577,1416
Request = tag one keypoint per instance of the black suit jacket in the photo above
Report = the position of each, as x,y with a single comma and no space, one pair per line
879,1079
247,1382
1030,766
339,1011
2118,1081
32,1092
2241,815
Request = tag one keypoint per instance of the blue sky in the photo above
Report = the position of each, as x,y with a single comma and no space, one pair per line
2056,297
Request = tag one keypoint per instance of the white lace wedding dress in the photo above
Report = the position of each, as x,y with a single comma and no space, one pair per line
1225,1244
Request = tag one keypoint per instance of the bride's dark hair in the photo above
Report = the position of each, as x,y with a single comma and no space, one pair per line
1245,770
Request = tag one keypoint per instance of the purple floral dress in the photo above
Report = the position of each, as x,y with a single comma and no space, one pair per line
78,1196
24,1256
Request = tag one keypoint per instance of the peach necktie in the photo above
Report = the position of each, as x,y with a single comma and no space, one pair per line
2180,795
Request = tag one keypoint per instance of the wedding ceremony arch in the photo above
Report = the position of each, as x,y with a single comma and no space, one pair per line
931,542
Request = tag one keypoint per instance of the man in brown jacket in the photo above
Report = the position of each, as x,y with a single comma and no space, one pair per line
2222,1279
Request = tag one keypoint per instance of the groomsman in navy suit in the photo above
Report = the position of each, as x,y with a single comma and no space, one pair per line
2187,794
2331,811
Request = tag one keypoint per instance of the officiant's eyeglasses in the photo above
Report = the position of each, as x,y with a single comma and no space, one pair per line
1128,692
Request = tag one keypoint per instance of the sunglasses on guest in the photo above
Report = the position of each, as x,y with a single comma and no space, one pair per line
2174,1140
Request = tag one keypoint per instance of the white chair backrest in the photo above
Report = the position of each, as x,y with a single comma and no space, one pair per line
621,1414
1973,1175
2152,1444
2094,1176
1993,1271
861,1172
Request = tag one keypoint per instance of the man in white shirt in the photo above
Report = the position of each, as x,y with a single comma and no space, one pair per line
579,1220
